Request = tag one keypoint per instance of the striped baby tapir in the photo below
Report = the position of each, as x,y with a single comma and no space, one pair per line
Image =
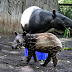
42,42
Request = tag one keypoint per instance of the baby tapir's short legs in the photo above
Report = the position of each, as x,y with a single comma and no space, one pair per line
47,60
30,54
55,60
34,55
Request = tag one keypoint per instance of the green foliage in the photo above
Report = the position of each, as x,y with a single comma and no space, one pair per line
66,48
67,33
65,10
65,1
42,62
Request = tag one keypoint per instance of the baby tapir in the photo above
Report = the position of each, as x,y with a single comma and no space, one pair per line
42,42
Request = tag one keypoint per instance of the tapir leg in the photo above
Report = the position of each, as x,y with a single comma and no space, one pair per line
30,53
35,57
55,60
47,60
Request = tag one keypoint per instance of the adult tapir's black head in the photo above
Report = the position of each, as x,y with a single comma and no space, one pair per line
60,21
42,20
57,22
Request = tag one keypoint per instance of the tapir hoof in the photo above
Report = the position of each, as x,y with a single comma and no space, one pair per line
27,62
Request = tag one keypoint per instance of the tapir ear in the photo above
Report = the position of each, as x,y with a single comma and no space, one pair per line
24,33
54,13
22,27
16,33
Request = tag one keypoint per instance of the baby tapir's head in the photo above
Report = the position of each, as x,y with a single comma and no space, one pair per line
18,41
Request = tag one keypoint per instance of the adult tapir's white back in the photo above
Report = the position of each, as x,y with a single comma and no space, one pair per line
26,15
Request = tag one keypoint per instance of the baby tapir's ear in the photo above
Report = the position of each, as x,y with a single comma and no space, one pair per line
24,33
54,13
16,33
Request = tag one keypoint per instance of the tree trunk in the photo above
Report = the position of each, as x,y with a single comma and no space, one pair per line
11,11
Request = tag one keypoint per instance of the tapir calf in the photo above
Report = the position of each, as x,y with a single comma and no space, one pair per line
42,42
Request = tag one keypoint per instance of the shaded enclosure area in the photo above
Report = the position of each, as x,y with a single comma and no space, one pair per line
14,60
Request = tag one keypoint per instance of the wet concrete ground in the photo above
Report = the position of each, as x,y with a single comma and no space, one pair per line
14,60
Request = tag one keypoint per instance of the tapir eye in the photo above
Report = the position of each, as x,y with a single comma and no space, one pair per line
18,41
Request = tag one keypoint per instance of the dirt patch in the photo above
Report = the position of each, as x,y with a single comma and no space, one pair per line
14,60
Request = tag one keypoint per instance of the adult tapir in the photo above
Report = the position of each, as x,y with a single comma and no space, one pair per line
37,20
42,42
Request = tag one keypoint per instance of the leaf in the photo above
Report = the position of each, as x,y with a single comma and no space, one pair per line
37,67
42,62
17,47
59,60
68,61
11,42
5,55
67,48
51,62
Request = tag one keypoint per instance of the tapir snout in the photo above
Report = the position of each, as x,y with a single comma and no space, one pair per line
18,41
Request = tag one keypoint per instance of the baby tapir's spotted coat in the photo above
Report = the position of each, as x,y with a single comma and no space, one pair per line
42,42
